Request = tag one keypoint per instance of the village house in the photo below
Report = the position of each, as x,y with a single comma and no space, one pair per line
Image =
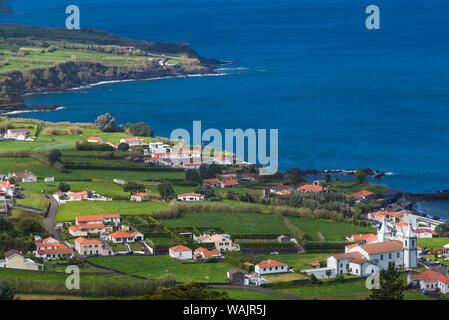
92,247
363,238
214,183
281,190
123,236
430,280
113,219
24,176
270,267
180,252
424,233
236,277
222,242
189,166
7,188
133,141
311,188
191,197
202,253
16,260
363,195
80,196
140,197
95,140
157,147
51,249
17,133
83,230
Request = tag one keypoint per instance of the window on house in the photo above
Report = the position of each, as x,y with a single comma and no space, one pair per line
390,256
381,257
398,255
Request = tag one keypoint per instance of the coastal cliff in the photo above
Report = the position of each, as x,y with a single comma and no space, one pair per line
78,67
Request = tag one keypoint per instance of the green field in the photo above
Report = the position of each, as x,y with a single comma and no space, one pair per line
61,277
232,222
299,261
330,230
69,210
334,290
433,242
250,295
158,266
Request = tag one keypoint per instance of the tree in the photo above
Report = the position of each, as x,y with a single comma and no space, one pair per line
105,123
140,129
193,175
134,187
63,187
205,190
392,287
54,155
360,176
166,190
190,291
123,147
295,176
7,290
29,225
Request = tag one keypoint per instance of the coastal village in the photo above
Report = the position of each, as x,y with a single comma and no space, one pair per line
127,208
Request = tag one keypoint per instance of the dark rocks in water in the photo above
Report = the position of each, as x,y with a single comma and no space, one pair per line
5,8
16,109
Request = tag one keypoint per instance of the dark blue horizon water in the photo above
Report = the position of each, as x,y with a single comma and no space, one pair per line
341,96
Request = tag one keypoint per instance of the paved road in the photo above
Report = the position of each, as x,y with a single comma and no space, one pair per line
49,220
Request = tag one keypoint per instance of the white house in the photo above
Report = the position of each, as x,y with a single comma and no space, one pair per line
430,280
133,141
16,260
95,140
140,197
270,267
16,133
123,236
157,147
203,253
7,188
191,197
180,253
113,218
424,233
51,249
24,176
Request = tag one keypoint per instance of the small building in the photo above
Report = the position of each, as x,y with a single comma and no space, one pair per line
80,196
364,238
133,141
430,280
16,260
214,183
203,253
191,197
95,140
222,242
236,277
270,267
113,219
15,133
424,233
311,188
82,230
92,247
123,236
180,252
363,195
52,249
24,176
49,179
280,189
140,197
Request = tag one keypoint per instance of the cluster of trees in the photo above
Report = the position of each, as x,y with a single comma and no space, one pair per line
134,187
189,291
107,123
206,171
166,191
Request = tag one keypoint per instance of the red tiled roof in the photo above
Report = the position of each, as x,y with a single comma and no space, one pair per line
180,248
314,264
270,263
140,194
423,230
370,237
426,274
55,251
350,246
190,194
97,217
381,247
402,224
87,226
231,183
120,234
362,193
212,181
311,187
82,240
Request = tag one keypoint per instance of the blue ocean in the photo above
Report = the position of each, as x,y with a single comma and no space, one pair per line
341,96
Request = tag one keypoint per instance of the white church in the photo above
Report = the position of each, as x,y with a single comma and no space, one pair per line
398,246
